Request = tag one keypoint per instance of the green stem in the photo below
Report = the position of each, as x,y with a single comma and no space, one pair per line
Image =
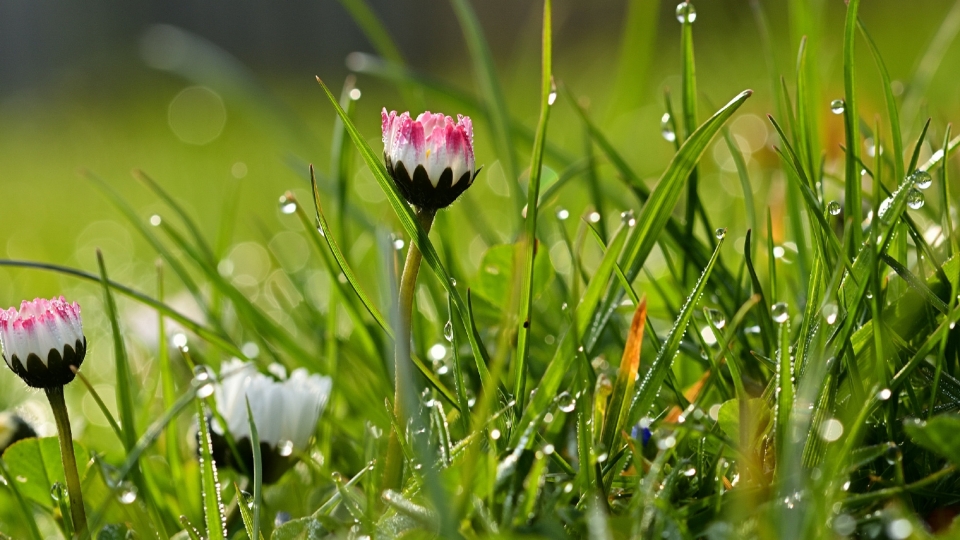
55,396
393,468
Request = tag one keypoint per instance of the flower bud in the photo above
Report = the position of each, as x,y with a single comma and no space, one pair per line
43,341
285,412
430,158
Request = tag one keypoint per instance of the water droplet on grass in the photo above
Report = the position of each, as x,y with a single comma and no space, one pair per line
156,220
915,199
128,493
717,318
285,448
834,208
448,331
779,312
686,13
287,206
203,381
562,214
830,312
836,106
566,402
921,179
666,128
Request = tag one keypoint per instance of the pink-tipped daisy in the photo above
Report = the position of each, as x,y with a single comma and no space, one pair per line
43,340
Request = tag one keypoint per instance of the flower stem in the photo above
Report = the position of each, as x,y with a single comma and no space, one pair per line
393,469
55,396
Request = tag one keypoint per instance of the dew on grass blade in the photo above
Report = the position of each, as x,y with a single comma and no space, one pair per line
247,499
287,206
720,233
448,331
562,214
666,128
686,13
779,312
438,351
593,217
915,199
837,106
156,220
203,381
884,394
128,492
834,208
830,312
831,429
566,402
899,529
717,318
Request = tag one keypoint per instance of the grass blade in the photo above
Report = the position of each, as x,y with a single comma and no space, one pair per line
257,471
528,242
626,379
213,510
852,129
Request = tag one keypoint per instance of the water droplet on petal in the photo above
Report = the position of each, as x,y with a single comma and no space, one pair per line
779,312
666,128
686,12
836,106
566,402
921,179
915,199
834,208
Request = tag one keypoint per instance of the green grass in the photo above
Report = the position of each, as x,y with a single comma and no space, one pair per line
796,367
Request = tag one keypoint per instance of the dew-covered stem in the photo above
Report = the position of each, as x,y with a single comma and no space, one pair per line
393,469
79,515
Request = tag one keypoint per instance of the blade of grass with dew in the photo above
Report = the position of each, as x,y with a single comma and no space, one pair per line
412,228
257,471
915,283
158,190
616,416
211,336
493,97
168,387
915,156
342,263
851,123
892,109
688,108
656,212
528,242
124,382
213,510
653,380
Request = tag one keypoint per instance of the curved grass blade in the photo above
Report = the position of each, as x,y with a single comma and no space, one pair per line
257,472
207,334
213,510
852,129
892,110
656,212
412,228
653,380
191,225
528,242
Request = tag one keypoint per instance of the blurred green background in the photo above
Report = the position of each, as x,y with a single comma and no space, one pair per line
211,98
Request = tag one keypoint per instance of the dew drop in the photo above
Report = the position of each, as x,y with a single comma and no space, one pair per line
128,493
627,218
779,312
355,94
287,206
203,381
562,214
915,199
666,128
921,179
830,312
448,331
494,434
593,217
156,220
398,244
285,447
834,208
717,318
884,208
836,106
686,12
56,492
720,233
247,499
453,281
566,402
884,394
